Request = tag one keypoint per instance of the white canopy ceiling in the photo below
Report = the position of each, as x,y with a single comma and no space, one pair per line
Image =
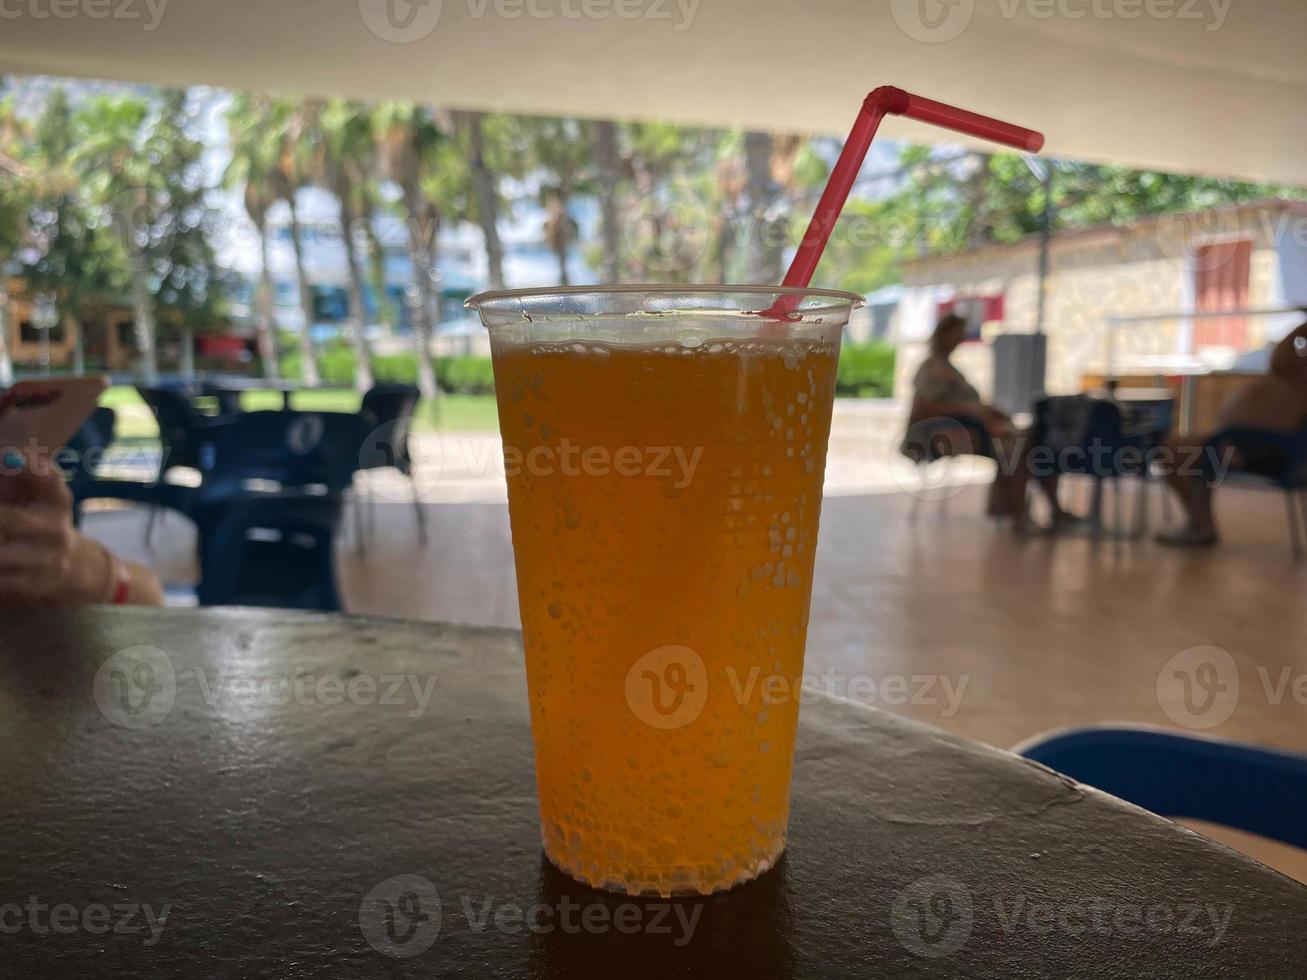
1212,86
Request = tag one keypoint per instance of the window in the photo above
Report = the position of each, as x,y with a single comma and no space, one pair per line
28,333
1221,271
976,310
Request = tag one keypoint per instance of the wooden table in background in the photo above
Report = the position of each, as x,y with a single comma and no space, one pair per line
274,825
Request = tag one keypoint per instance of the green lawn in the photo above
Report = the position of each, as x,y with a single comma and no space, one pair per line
449,413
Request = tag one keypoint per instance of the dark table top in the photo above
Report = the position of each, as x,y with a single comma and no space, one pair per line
287,795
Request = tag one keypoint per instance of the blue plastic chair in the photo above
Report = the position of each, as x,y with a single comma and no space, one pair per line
1260,790
1280,460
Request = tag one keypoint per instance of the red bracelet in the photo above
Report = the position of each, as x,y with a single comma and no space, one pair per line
122,581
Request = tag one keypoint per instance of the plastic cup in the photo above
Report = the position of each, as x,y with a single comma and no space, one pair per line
665,451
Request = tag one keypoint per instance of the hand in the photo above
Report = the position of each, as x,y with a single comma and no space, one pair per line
44,561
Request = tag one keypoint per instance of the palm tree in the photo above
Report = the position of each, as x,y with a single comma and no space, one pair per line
407,136
113,150
253,170
607,164
289,120
343,163
67,252
485,186
372,210
561,150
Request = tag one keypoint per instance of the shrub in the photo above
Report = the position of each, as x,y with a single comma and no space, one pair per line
457,375
866,370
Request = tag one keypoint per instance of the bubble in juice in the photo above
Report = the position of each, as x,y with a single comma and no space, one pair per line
664,503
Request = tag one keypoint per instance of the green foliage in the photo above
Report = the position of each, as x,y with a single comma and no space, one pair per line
950,201
866,370
457,375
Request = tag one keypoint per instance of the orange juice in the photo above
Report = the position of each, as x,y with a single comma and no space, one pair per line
664,498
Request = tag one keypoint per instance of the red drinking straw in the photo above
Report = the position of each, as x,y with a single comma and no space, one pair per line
886,99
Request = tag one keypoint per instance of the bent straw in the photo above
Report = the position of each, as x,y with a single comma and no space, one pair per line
884,100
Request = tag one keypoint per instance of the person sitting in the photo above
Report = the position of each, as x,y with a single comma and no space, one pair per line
46,562
1275,402
949,414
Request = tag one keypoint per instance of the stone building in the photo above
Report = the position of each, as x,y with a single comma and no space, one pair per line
1250,257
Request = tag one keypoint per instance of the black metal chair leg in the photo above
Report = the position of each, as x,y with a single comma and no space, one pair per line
417,509
149,526
1295,533
359,535
1143,488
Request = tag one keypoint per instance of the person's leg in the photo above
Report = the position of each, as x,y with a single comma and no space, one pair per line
1044,472
1179,462
1010,482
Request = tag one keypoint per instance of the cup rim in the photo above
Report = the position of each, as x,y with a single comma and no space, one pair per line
855,300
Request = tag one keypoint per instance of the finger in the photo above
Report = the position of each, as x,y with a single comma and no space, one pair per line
27,556
18,523
16,588
44,483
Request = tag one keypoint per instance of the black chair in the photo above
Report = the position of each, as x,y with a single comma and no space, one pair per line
181,431
270,551
1081,435
88,446
1278,459
389,410
269,506
313,453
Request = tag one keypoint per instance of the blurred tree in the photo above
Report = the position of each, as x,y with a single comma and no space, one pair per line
191,287
141,166
407,139
608,175
255,158
113,151
484,142
289,121
69,257
559,152
343,163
